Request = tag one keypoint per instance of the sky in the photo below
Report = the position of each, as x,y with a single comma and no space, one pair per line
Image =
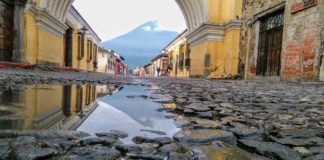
112,18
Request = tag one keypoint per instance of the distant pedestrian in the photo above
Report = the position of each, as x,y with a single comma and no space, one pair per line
95,66
158,71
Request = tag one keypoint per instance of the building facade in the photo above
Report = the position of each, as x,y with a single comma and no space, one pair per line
148,70
179,57
160,65
34,34
106,61
284,39
213,36
120,67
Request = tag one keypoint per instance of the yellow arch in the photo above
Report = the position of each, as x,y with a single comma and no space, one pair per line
57,8
194,11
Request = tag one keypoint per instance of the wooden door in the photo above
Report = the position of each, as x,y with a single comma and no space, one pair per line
6,30
270,42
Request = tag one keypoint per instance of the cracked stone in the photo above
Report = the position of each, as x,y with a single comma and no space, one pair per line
204,136
271,150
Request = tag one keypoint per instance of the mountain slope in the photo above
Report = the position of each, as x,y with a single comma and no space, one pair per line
140,45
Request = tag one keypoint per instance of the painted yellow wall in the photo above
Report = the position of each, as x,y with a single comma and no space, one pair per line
222,11
75,51
43,47
231,48
51,48
223,57
184,72
40,45
31,39
223,53
197,57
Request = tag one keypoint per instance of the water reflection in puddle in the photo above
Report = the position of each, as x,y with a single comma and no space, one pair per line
86,108
131,115
46,107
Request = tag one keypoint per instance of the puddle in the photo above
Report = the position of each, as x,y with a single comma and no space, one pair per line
86,108
136,115
47,107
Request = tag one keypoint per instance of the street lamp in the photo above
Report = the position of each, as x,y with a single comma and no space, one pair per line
84,30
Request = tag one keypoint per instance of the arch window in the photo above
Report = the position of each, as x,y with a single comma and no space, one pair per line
188,61
181,57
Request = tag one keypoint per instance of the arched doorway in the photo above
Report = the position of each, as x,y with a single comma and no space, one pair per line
6,29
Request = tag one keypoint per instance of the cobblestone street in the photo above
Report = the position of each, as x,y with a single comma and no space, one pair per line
222,119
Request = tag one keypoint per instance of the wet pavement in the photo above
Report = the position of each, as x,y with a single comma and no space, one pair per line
158,118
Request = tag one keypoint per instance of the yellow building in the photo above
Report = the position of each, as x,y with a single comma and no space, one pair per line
179,56
213,36
56,35
30,107
53,30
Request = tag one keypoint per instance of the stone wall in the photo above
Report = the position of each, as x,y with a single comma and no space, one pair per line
321,61
301,38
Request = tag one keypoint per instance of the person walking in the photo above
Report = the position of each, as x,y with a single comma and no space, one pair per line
158,71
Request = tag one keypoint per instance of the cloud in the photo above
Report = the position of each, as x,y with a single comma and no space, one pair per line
153,26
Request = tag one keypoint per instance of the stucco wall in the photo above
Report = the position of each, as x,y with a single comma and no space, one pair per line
31,39
321,61
301,39
197,56
50,49
44,48
221,11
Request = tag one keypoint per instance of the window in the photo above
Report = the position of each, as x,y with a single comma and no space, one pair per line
93,93
67,100
80,46
95,52
89,51
79,99
181,58
88,94
187,62
171,62
309,3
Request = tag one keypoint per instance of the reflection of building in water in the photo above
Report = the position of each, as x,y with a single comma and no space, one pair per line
46,106
105,90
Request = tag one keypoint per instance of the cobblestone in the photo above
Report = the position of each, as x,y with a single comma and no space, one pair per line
256,119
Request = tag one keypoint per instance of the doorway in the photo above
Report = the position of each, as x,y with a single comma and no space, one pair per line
68,49
66,104
6,30
270,42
